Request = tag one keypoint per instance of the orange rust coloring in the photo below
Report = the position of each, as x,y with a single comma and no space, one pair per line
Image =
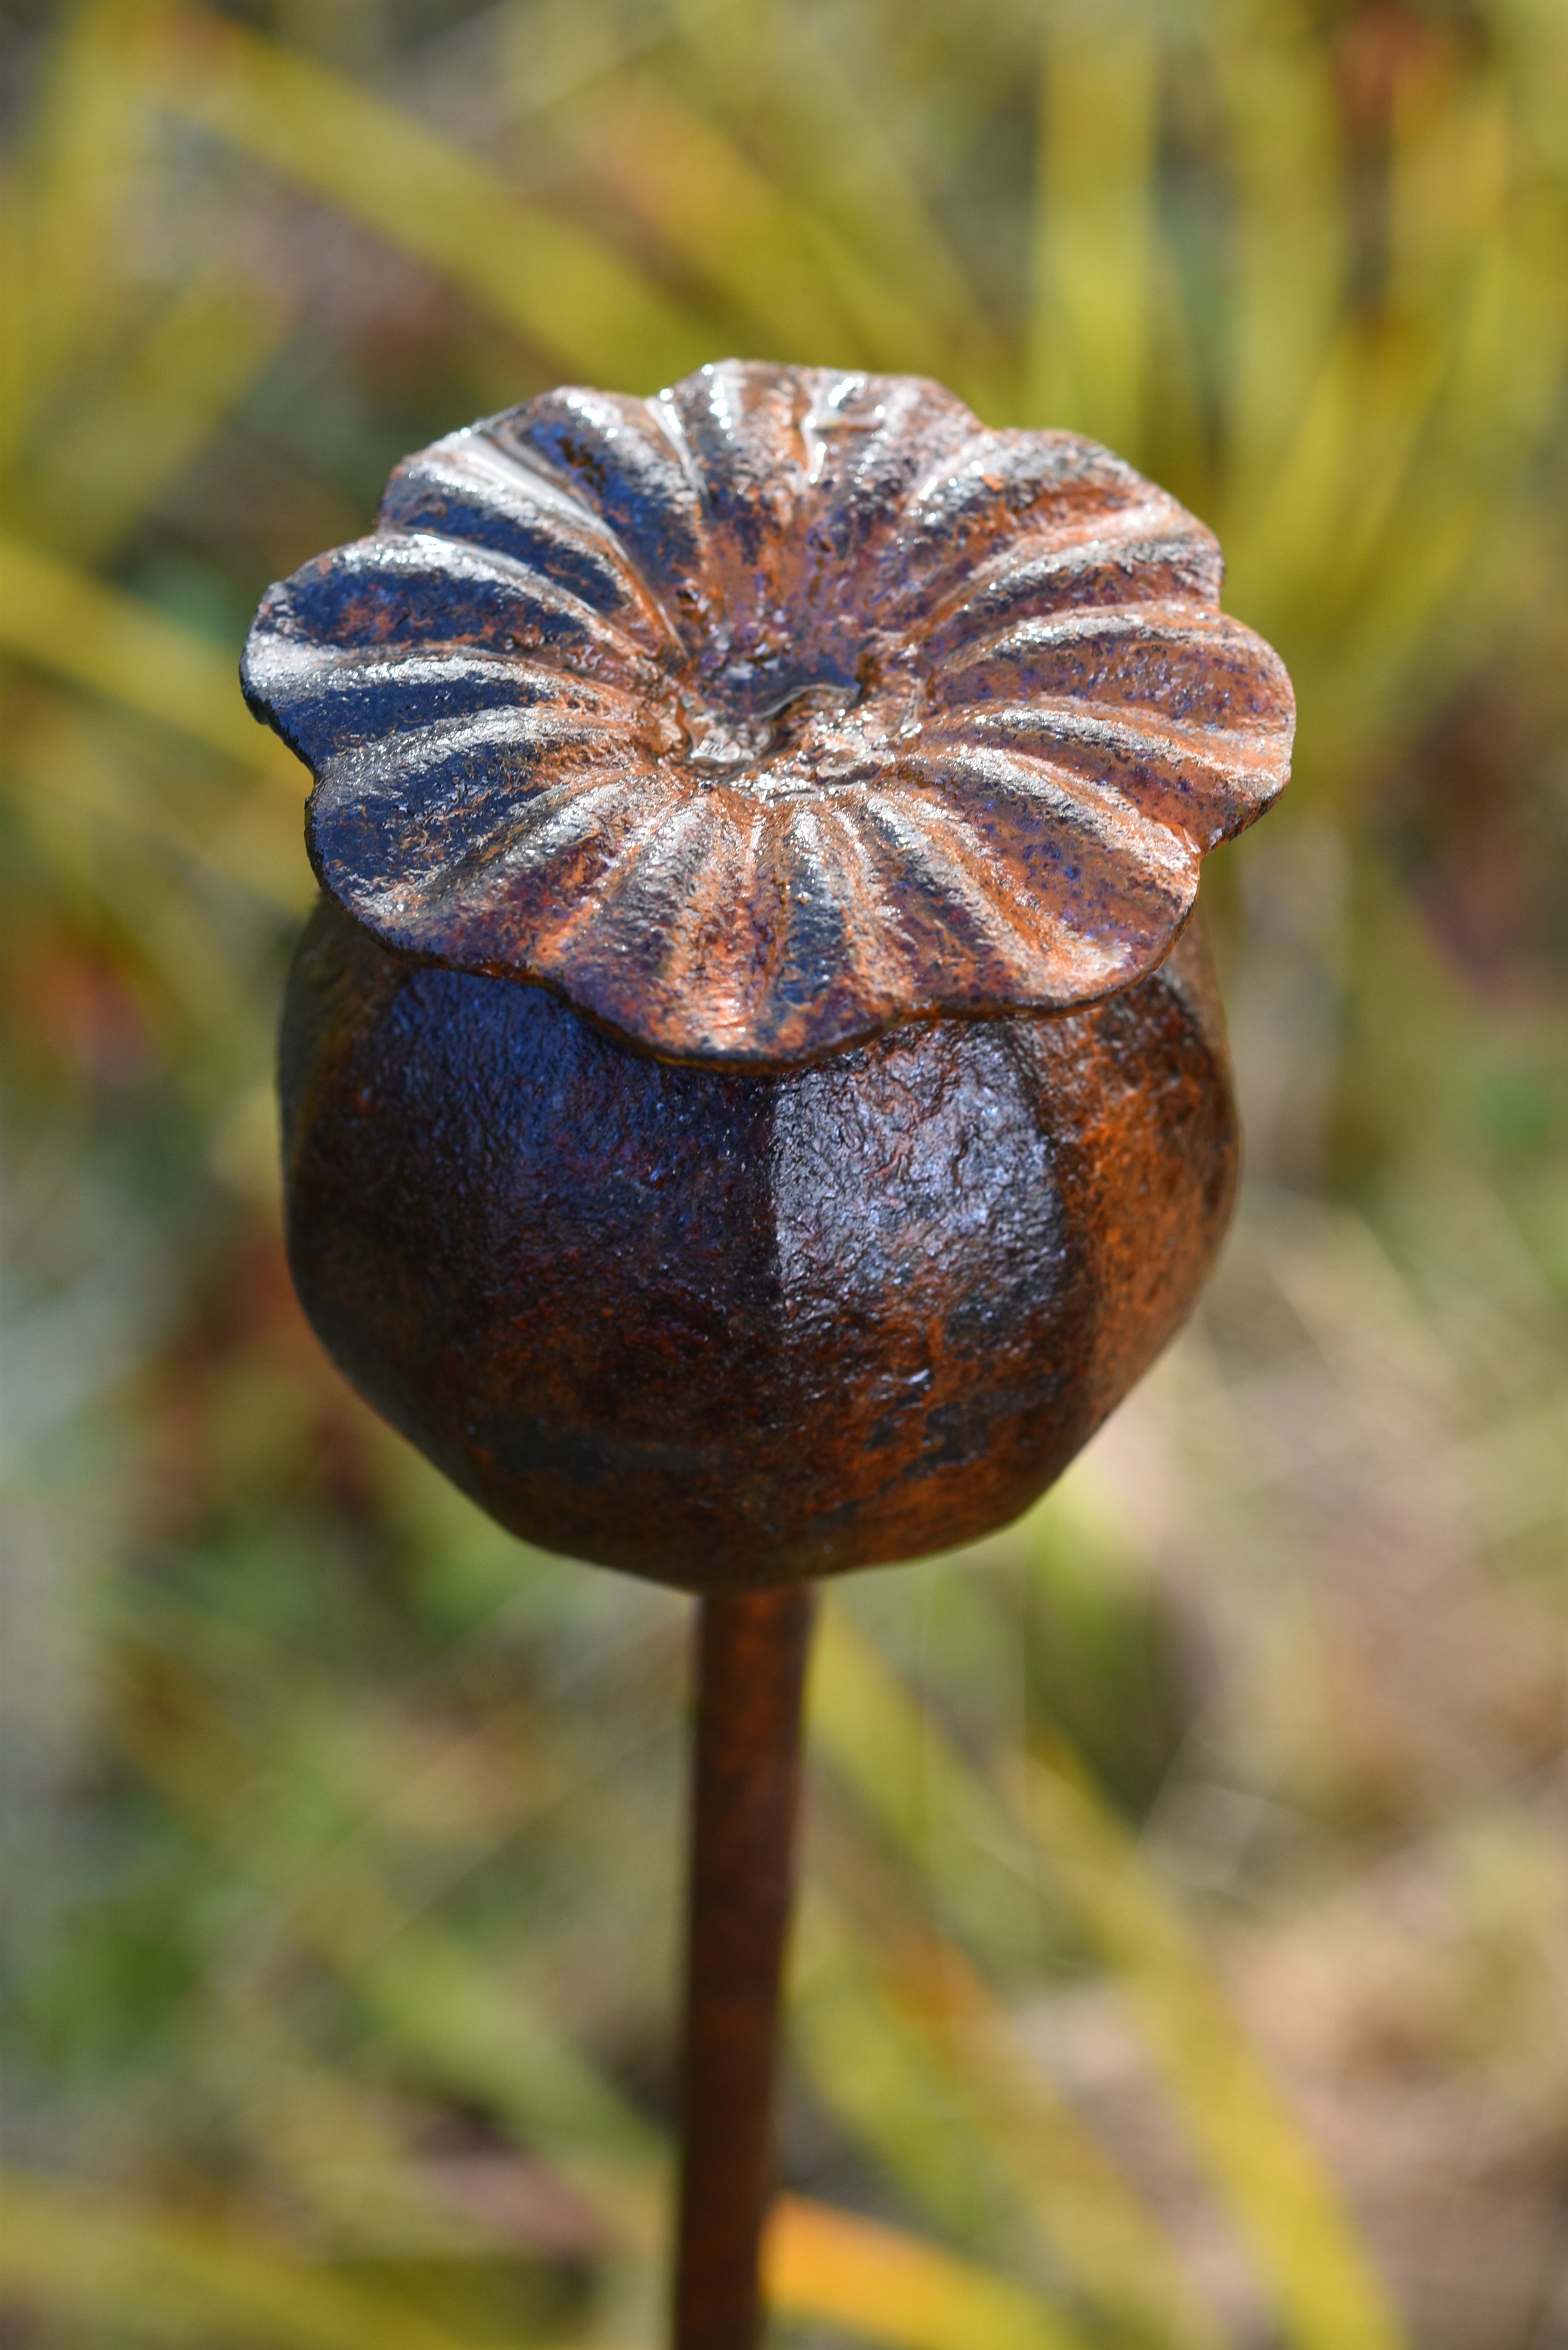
839,769
751,1103
767,715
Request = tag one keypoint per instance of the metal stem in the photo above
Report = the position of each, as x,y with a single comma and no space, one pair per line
751,1650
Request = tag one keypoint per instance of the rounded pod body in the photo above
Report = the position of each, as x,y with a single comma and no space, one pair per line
726,1329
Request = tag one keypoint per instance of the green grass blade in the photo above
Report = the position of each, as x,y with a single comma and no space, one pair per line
89,2260
887,1748
482,2036
937,1811
69,767
1093,297
1291,237
908,2045
1279,551
803,95
74,626
466,2022
1368,545
682,175
824,142
85,484
114,849
814,294
1326,2293
71,282
569,292
884,2079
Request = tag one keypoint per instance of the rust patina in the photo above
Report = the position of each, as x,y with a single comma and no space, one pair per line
731,1330
752,1102
839,771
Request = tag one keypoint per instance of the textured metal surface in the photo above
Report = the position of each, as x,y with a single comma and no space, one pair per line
761,716
778,728
734,1330
745,1795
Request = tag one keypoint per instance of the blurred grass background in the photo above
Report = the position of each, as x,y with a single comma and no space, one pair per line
1184,1955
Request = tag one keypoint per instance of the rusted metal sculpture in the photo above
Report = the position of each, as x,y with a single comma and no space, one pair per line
835,773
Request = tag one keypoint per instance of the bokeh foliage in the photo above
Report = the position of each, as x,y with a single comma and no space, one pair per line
344,1830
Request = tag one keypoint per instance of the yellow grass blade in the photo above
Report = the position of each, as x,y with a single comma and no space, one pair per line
15,263
64,758
1324,2289
814,286
1362,549
889,2287
84,485
84,2258
1364,435
1449,169
1103,2234
74,626
891,2084
473,2028
826,144
485,2037
905,2041
1288,539
71,279
1291,242
823,2264
927,1799
716,210
566,290
119,849
1532,37
65,762
1093,300
90,2258
887,1748
480,2034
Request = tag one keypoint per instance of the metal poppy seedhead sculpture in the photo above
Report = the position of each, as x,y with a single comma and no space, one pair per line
838,771
750,1106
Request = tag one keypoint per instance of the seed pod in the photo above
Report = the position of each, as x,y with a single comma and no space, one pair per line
752,1107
